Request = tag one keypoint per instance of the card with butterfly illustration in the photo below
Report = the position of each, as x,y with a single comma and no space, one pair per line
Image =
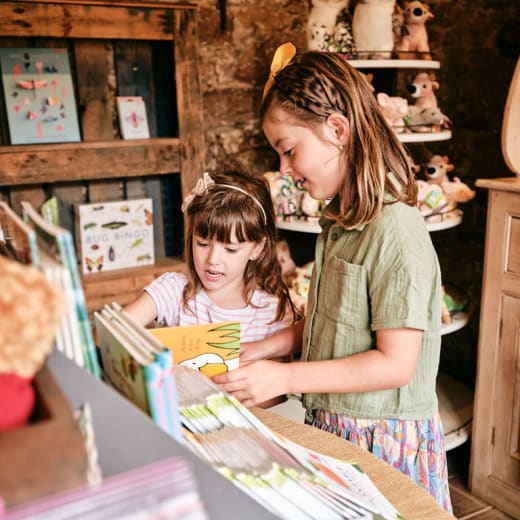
115,234
39,95
133,122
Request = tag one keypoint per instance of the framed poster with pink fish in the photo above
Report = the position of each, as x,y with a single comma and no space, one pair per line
116,234
133,122
39,96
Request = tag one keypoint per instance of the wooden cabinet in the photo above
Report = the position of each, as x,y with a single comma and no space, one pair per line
128,47
495,457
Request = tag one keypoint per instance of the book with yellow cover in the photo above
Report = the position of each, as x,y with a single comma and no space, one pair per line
212,348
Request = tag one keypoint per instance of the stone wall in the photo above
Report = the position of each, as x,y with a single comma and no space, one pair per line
477,44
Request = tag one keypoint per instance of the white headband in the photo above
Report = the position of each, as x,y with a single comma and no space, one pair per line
205,182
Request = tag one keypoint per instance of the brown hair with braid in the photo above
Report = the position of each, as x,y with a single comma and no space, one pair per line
315,85
240,203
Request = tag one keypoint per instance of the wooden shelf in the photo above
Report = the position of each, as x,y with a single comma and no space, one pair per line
125,47
31,164
455,409
459,321
299,225
437,223
85,25
124,285
424,137
444,221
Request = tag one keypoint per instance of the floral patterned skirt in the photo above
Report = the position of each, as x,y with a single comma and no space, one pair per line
416,448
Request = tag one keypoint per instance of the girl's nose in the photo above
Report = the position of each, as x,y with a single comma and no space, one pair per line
285,168
213,255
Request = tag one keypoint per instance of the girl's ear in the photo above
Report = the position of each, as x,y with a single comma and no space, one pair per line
259,247
340,128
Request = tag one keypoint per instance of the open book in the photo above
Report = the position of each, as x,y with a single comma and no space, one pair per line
139,367
211,348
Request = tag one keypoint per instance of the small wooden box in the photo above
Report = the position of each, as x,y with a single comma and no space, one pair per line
47,455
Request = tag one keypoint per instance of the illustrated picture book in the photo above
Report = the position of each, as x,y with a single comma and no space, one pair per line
115,235
39,95
212,348
133,122
138,366
58,244
68,335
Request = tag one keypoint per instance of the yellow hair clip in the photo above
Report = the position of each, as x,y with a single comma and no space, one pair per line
282,56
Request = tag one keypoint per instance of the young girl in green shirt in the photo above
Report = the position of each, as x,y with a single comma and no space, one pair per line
370,343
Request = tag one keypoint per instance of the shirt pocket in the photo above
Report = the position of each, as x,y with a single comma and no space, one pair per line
344,293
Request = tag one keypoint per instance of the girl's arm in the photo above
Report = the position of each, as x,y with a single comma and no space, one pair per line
391,365
280,345
143,309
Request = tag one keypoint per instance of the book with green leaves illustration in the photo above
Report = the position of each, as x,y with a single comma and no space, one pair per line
212,348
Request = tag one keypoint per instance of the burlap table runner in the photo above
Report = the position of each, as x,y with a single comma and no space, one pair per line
408,498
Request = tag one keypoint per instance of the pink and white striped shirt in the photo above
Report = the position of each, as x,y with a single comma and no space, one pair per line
166,292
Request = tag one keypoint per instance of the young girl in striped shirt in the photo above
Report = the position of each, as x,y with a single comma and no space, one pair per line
233,273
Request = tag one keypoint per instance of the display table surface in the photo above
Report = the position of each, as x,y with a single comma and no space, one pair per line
126,438
409,499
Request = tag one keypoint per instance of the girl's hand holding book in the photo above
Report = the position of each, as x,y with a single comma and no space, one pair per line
256,382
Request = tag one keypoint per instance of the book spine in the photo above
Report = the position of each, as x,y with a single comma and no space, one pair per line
157,405
169,385
68,256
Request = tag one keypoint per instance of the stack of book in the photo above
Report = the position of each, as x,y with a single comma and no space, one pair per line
58,259
139,367
288,479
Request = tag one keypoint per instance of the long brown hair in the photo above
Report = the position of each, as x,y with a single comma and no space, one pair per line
219,211
315,85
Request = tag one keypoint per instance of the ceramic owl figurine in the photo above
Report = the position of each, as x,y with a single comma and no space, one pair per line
322,22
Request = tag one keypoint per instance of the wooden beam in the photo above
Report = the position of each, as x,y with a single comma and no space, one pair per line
125,20
189,99
93,160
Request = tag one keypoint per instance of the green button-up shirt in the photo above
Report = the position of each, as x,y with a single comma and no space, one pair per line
381,275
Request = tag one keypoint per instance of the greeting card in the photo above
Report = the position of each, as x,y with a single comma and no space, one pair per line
39,96
132,117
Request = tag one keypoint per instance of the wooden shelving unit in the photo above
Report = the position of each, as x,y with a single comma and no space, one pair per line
152,47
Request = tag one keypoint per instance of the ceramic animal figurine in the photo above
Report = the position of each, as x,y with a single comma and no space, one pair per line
431,199
426,119
287,265
437,168
310,208
285,194
372,28
422,90
457,191
413,43
395,109
322,22
343,39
